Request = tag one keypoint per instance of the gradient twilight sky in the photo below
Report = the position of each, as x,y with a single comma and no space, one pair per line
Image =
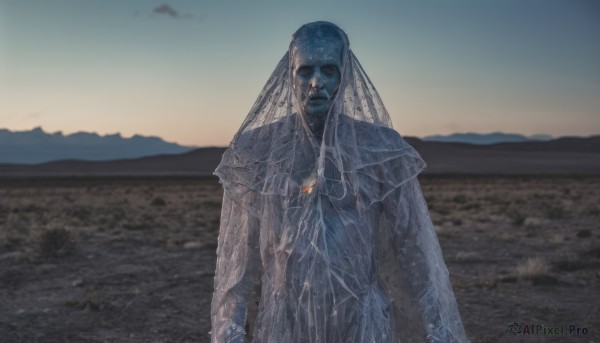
190,70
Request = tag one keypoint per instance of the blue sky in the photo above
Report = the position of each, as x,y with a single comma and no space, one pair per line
189,71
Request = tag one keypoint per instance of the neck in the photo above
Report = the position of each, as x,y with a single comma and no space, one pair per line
317,127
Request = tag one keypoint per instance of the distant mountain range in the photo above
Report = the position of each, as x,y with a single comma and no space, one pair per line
563,156
37,152
38,146
486,138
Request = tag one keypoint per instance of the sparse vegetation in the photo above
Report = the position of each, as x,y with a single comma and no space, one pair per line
3,214
29,208
53,242
212,204
593,252
570,264
459,199
517,218
533,267
135,226
468,257
442,210
584,233
158,201
554,211
471,206
89,303
442,231
495,200
592,210
147,269
81,213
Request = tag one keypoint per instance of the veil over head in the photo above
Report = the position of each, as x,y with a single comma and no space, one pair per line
335,229
358,137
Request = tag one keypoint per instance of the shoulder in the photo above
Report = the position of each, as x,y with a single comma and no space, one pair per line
257,142
369,134
265,130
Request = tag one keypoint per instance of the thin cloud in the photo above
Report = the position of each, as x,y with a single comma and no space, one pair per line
33,115
169,11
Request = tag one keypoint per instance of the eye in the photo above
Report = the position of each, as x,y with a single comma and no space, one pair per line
330,69
304,71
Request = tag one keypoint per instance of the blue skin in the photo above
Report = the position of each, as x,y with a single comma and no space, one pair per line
316,77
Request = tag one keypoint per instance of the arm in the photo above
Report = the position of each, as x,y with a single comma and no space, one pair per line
238,261
420,258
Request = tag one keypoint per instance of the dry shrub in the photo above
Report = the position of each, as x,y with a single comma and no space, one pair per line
468,257
15,232
216,204
484,219
4,211
53,242
555,212
592,210
507,237
557,238
89,303
532,268
570,264
532,222
460,199
137,226
508,278
29,208
516,217
442,231
593,252
471,206
442,211
81,213
158,201
584,233
495,200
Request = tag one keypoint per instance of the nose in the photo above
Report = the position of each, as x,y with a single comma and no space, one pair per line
316,80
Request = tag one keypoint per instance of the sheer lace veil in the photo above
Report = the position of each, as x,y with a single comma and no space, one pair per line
358,135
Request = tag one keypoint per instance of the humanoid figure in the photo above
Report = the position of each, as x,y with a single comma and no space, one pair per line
322,207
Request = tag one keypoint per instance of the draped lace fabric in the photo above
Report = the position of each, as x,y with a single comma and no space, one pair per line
335,231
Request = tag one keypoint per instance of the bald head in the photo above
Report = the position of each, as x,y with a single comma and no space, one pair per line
317,58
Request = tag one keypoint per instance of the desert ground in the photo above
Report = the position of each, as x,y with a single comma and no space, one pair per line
132,259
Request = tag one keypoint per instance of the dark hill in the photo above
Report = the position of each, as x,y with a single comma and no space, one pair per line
564,156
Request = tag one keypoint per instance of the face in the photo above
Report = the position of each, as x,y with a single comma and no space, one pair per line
316,76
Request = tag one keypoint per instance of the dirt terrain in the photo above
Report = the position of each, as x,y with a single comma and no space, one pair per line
132,259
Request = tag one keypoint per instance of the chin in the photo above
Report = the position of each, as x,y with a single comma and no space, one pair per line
317,111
